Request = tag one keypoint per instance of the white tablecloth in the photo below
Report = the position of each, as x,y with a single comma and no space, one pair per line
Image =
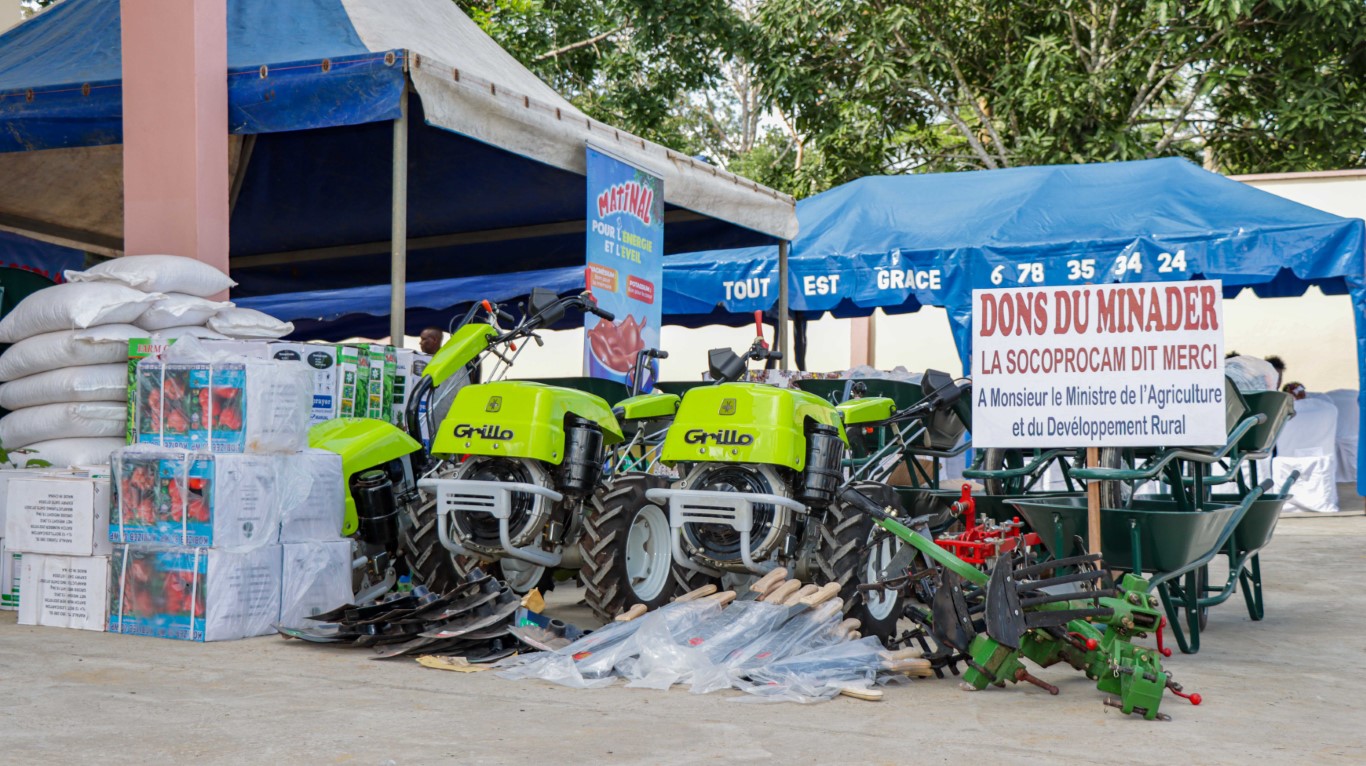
1308,444
1349,423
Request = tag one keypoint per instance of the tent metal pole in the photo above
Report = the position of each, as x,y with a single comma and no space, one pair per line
398,231
784,323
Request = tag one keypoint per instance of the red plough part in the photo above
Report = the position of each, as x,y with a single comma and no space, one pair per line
980,544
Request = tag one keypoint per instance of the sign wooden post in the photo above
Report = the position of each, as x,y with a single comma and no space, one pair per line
1093,504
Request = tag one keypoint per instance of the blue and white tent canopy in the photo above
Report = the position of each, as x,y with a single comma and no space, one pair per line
496,156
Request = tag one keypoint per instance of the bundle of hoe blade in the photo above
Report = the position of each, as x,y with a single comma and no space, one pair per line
472,620
782,640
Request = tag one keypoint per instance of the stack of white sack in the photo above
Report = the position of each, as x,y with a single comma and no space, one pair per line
64,379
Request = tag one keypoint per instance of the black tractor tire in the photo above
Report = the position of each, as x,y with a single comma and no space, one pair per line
606,525
842,556
428,561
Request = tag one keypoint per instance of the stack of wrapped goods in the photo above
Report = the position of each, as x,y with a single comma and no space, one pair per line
214,502
65,378
57,537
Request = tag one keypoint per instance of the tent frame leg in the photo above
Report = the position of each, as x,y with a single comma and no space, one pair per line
784,321
398,236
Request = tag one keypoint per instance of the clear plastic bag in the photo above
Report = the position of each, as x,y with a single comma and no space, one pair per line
817,675
806,632
591,661
695,651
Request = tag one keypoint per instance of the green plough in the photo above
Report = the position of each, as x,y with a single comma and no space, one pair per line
1063,611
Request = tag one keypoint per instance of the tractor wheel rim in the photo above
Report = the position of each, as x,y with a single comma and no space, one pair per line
648,555
880,602
521,576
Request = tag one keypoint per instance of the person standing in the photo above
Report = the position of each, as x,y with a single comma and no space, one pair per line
429,342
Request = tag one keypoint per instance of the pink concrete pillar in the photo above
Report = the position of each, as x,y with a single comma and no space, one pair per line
862,341
175,129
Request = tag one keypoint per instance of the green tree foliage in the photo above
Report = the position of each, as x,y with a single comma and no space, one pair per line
947,85
630,63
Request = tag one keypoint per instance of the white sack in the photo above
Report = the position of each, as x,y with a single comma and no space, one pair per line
63,453
63,421
73,307
203,333
158,274
68,348
179,310
249,323
87,383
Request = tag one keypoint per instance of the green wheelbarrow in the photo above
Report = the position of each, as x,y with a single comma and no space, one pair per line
1244,547
1155,536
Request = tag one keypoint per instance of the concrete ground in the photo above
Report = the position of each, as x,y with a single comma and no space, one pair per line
1286,690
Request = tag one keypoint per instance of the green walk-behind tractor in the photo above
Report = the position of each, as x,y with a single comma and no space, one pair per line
510,468
759,469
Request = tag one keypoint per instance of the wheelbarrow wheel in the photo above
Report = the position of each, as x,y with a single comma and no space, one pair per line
625,547
1113,493
853,551
997,459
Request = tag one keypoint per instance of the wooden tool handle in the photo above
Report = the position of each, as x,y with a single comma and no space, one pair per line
769,581
848,626
871,695
827,610
824,593
780,593
919,668
806,590
693,595
909,653
632,613
722,598
854,635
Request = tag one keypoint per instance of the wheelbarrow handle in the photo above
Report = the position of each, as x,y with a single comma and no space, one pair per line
1289,480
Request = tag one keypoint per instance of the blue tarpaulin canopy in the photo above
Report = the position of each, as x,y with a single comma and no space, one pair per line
495,156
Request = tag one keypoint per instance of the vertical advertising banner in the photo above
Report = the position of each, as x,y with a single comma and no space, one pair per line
625,267
1136,365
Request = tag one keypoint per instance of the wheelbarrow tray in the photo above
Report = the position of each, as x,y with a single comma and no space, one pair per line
1259,523
1169,539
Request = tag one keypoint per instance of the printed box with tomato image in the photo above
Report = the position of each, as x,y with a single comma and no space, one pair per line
180,497
249,406
194,594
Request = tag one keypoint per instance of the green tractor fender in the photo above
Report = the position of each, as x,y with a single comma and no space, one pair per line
515,418
747,423
873,409
363,444
655,406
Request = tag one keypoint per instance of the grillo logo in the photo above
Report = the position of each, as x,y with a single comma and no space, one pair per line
726,437
465,431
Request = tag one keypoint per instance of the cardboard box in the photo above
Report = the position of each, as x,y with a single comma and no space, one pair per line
251,349
139,349
64,591
380,389
250,405
194,594
322,362
316,578
351,381
182,497
9,577
312,497
409,365
64,515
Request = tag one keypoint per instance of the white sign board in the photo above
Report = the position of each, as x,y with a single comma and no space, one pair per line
1099,366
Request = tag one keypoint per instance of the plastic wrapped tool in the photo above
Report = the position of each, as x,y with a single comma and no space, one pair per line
807,632
817,675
